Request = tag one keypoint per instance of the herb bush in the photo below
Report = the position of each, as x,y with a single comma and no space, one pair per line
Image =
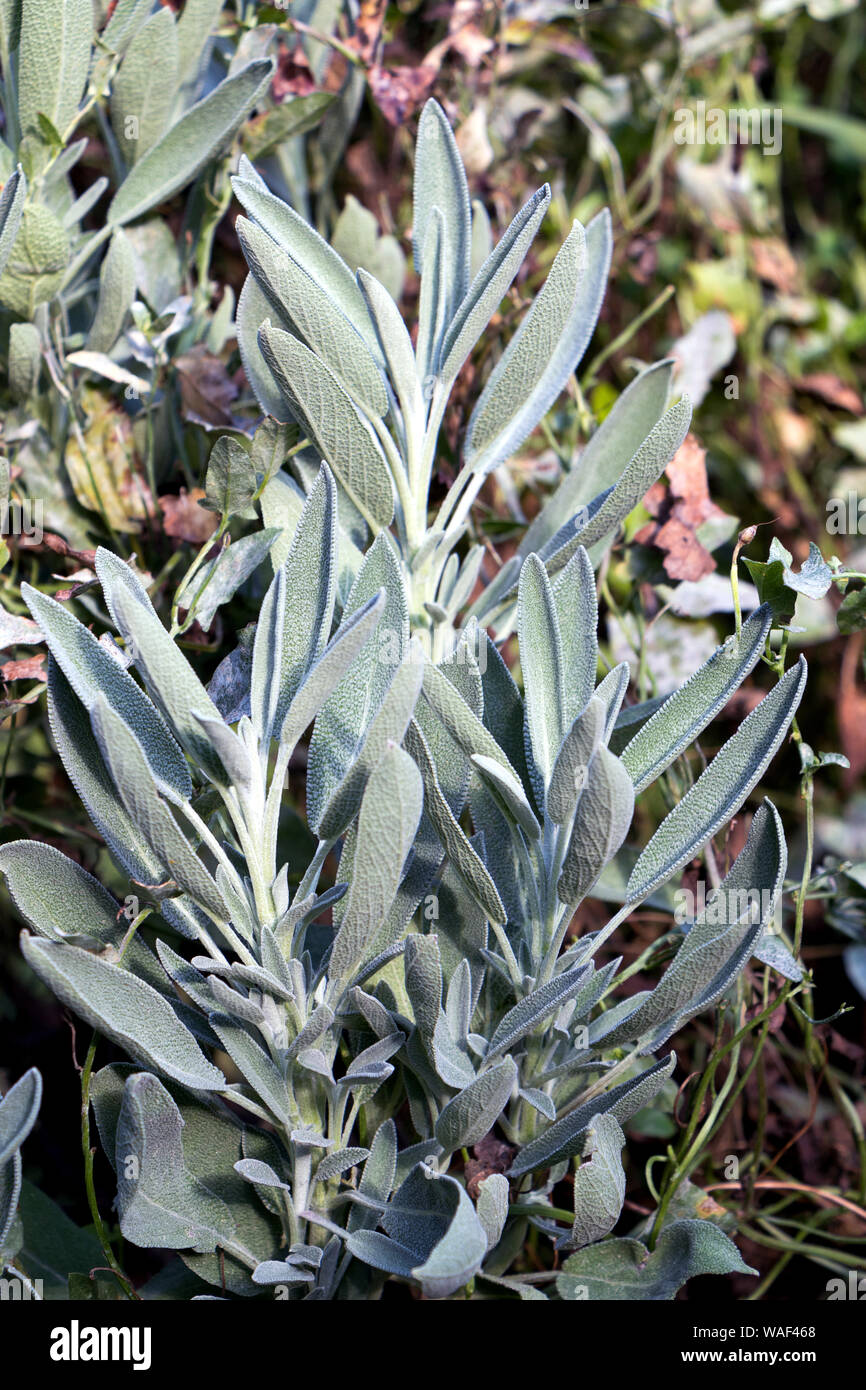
308,1069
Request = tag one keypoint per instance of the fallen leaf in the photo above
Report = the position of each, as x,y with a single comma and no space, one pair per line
206,389
398,92
492,1155
832,389
30,668
774,263
101,465
678,511
185,520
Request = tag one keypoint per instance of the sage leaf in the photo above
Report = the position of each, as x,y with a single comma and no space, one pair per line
624,1269
688,711
721,788
390,812
53,61
19,1109
440,183
604,814
565,1137
163,1204
189,145
530,1011
93,673
545,349
333,421
125,1009
474,1111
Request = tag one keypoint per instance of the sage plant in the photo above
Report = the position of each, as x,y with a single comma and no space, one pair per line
314,1047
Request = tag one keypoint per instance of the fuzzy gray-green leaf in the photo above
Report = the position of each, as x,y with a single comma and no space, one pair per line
721,788
125,1009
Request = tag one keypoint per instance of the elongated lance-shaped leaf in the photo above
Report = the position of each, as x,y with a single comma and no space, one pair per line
388,725
290,231
644,469
720,942
116,292
189,145
80,755
142,93
508,794
464,726
345,440
57,896
474,1111
396,346
125,1009
604,814
721,788
252,309
624,1269
440,182
93,673
565,1137
491,283
545,349
315,317
338,659
268,659
611,692
53,60
570,769
599,1183
159,1201
170,679
606,455
537,1005
11,207
390,812
541,663
125,760
464,858
576,606
19,1109
342,724
432,300
690,709
311,584
255,1065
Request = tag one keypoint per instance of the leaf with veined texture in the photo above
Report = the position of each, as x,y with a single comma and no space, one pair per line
390,811
19,1109
53,59
125,1009
440,182
11,208
690,709
144,89
490,284
604,814
301,302
545,349
625,1269
345,440
162,1203
564,1138
599,1183
600,465
189,145
93,672
721,788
